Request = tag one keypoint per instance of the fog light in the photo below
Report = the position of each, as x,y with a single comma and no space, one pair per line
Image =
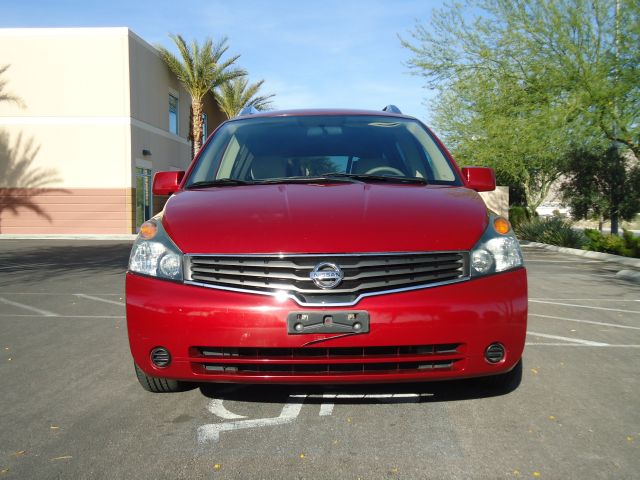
160,357
494,353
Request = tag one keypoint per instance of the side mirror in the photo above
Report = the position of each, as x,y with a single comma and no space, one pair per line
166,183
480,179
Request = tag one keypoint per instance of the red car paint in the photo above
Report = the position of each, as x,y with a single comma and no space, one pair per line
296,218
338,218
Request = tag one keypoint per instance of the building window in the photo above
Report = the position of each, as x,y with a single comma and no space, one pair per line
205,130
144,199
173,114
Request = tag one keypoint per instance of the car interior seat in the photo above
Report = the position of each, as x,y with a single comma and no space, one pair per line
367,164
269,167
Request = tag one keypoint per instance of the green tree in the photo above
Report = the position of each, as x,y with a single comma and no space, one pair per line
236,94
536,73
200,69
602,183
490,120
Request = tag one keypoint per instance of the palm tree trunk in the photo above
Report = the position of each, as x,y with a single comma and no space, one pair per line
197,126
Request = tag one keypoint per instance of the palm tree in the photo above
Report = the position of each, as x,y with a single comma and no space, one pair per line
200,69
236,94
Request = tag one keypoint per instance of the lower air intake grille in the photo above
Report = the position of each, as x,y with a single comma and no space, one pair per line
327,361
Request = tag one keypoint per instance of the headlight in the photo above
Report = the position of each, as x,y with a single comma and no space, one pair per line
497,251
154,253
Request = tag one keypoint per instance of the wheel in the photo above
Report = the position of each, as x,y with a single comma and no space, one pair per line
505,382
158,384
377,170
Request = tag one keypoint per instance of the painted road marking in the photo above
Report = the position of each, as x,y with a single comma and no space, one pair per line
584,306
365,396
604,324
567,339
536,344
98,299
60,316
588,299
573,262
326,409
43,313
211,432
59,294
217,408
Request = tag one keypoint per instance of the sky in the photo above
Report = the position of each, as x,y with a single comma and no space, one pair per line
311,54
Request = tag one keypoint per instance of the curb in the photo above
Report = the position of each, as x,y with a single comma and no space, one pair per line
625,274
79,236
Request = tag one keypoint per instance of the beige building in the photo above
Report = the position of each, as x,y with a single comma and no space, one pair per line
98,114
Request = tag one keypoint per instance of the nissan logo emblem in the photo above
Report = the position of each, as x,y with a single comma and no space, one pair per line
326,275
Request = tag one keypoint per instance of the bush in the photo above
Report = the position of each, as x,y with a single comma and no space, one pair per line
518,215
626,245
551,230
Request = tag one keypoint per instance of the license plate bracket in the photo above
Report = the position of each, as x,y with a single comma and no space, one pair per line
347,321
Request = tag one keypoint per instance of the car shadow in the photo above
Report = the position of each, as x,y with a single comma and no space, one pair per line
424,392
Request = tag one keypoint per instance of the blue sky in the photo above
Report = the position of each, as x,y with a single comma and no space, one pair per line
326,53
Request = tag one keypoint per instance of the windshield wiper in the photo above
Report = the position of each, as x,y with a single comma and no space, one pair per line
366,177
316,179
220,182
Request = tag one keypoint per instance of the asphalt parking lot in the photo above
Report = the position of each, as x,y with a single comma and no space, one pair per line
71,406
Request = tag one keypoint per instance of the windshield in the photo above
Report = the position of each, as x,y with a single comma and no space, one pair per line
311,148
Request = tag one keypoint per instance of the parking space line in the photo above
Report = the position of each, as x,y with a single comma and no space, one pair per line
98,299
584,306
326,409
43,313
587,299
539,344
604,324
211,432
59,316
568,339
573,262
57,294
217,408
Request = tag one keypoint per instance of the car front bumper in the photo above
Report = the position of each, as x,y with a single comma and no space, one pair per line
434,333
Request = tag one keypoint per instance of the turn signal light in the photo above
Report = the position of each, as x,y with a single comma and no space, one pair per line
501,225
148,230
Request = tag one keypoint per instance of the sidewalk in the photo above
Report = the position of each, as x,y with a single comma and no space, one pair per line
632,274
21,236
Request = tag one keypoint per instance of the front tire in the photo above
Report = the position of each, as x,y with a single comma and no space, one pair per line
159,384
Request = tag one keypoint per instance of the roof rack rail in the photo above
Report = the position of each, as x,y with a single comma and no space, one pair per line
391,109
250,110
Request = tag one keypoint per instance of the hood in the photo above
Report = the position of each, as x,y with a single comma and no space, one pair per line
336,218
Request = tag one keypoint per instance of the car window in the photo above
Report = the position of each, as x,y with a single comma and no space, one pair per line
263,148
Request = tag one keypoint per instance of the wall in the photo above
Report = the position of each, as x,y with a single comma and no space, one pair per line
64,150
92,99
498,200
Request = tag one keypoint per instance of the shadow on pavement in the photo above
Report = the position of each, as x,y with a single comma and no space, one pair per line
38,260
425,392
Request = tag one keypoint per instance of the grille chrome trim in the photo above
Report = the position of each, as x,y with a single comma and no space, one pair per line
376,276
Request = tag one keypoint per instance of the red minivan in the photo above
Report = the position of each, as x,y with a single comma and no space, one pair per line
325,246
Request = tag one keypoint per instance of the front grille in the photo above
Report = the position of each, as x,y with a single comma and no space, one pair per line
324,361
364,274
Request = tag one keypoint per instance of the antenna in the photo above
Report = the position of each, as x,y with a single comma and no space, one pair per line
250,110
391,109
